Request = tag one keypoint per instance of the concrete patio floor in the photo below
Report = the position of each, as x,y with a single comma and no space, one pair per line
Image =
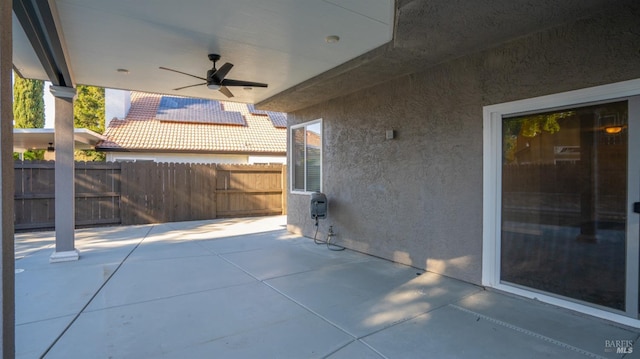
246,288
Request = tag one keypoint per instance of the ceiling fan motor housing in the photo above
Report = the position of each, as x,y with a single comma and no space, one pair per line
215,79
211,82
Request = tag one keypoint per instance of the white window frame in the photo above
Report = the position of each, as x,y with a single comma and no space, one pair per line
492,182
291,153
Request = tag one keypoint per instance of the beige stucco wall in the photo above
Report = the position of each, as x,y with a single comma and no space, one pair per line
417,199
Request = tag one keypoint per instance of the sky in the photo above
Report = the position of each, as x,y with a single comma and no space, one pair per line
49,108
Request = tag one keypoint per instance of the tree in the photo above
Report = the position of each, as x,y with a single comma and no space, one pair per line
529,126
28,108
88,112
88,108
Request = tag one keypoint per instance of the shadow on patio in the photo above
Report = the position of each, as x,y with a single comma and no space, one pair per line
246,288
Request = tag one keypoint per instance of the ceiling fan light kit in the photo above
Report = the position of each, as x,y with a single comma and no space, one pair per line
216,80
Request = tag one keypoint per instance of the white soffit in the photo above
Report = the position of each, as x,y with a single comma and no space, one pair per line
25,59
39,138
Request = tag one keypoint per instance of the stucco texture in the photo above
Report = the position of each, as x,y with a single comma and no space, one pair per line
417,199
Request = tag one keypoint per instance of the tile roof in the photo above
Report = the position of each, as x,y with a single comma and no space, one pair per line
153,125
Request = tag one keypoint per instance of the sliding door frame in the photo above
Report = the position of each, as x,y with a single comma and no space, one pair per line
492,192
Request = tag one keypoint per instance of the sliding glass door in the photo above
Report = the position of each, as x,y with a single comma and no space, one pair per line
567,178
564,202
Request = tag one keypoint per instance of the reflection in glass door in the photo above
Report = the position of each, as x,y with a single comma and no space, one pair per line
564,203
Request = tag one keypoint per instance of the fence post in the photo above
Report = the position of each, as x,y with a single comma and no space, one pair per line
285,186
213,200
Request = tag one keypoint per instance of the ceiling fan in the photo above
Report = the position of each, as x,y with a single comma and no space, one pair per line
215,79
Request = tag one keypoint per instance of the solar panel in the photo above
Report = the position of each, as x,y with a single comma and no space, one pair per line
194,110
254,111
279,119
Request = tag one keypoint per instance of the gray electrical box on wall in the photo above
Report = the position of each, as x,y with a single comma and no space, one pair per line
318,205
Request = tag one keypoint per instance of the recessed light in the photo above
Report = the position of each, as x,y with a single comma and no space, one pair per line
123,71
332,39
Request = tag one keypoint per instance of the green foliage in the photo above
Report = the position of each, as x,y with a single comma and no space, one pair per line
88,112
532,126
28,103
88,108
529,126
28,109
89,156
31,155
509,144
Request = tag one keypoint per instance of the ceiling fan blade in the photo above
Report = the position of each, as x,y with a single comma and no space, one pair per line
184,87
219,75
184,73
225,91
230,82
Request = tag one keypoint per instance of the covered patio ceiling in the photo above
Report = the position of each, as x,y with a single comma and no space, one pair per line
40,138
121,44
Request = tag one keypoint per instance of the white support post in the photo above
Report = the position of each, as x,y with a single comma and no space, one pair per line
64,176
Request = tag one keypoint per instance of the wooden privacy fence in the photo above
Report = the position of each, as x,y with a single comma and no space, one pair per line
149,192
563,193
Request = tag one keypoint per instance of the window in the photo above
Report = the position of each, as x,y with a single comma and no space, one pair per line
306,157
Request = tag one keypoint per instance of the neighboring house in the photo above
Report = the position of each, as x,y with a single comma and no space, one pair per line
189,130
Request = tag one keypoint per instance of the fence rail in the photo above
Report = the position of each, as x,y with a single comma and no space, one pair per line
149,192
564,193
